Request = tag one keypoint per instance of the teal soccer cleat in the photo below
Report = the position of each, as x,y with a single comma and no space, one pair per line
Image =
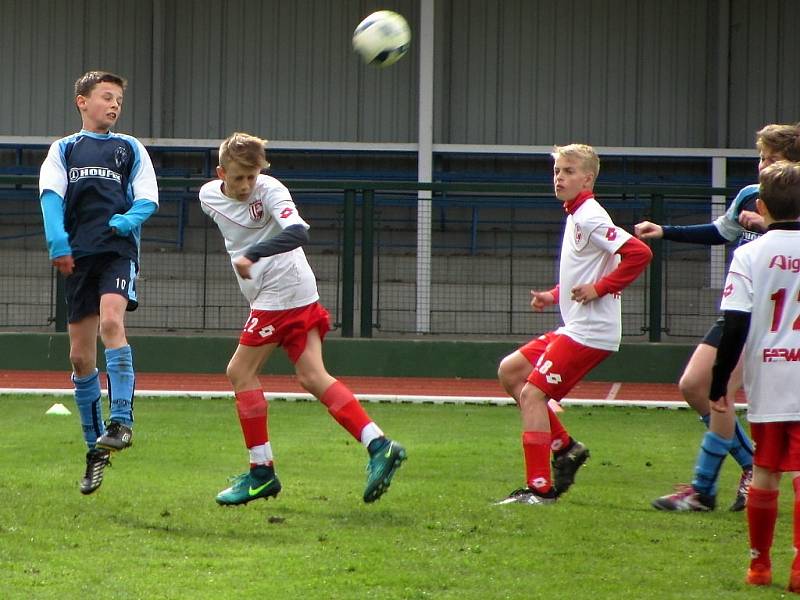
384,459
259,482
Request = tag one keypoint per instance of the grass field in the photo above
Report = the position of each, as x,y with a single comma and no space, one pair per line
154,531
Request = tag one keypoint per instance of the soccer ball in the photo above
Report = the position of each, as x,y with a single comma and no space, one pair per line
382,38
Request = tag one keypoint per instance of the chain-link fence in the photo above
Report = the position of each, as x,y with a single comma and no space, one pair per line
487,250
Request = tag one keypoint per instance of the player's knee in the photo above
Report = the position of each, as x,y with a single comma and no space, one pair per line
111,328
81,360
690,387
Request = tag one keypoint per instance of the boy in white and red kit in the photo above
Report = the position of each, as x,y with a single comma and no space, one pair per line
264,235
598,260
760,303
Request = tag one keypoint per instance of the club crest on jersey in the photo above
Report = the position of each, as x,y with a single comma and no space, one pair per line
256,210
578,234
120,156
77,173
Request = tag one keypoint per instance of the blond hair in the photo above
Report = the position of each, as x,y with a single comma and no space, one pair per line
245,150
582,152
779,190
781,139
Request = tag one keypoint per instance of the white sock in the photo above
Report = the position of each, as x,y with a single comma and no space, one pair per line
369,433
261,455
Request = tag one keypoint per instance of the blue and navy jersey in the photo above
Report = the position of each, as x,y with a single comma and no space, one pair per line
728,224
98,176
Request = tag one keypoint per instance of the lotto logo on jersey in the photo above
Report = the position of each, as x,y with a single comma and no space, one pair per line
77,173
727,291
256,210
781,355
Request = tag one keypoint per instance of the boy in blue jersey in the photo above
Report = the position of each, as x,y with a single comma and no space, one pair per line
741,224
96,189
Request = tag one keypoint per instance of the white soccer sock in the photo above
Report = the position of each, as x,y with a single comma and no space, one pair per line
369,433
261,455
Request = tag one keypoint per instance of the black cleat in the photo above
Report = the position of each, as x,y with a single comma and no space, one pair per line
116,437
565,465
96,462
529,496
742,491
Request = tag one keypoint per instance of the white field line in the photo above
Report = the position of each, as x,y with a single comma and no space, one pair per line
390,398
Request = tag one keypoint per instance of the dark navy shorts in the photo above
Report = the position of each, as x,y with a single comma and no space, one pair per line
95,275
714,334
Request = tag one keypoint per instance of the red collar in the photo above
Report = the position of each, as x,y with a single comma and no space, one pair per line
572,205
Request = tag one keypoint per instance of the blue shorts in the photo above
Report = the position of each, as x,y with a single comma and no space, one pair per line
95,275
714,335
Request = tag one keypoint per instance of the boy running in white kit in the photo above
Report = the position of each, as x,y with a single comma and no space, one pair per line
760,301
591,277
264,235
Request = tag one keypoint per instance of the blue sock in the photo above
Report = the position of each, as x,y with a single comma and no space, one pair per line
90,409
713,451
121,383
741,447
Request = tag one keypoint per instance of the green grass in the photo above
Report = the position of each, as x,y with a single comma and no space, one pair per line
154,531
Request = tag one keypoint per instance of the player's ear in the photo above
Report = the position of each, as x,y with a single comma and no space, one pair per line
80,102
220,171
761,208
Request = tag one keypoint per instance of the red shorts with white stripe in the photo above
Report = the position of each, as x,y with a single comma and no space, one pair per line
777,445
559,362
288,328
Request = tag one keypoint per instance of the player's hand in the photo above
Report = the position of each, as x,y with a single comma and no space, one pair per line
583,293
648,231
64,264
242,266
720,405
541,299
752,221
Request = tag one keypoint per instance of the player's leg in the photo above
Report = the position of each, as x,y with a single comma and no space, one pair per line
762,506
252,409
86,379
117,289
725,435
82,315
385,455
791,466
119,368
741,445
513,374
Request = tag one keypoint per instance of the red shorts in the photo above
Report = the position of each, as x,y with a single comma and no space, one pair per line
559,362
777,445
288,328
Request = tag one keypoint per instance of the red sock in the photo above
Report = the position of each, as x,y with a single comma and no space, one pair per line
762,512
252,408
796,524
559,438
344,407
536,448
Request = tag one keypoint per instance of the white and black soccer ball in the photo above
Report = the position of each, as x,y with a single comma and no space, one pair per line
382,38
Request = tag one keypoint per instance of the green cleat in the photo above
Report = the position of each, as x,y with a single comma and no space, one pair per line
385,458
258,482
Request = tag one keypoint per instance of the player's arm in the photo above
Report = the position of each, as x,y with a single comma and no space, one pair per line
56,236
539,300
126,222
707,234
635,256
734,335
287,240
145,193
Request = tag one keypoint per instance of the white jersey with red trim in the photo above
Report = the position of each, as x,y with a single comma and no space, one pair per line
764,280
587,255
277,282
